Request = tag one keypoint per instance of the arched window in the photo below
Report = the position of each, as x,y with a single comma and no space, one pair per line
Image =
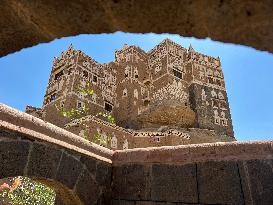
213,94
136,93
209,72
216,113
203,94
221,96
216,117
223,114
127,71
114,142
125,144
136,73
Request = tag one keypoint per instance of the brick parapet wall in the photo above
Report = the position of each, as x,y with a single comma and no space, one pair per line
220,173
25,123
183,154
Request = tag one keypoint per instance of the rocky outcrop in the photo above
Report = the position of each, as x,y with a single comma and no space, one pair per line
167,113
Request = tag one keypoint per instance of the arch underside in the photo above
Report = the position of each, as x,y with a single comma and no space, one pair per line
27,23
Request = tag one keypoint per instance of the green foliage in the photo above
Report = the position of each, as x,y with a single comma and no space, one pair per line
28,192
86,90
108,117
84,134
78,113
73,113
100,139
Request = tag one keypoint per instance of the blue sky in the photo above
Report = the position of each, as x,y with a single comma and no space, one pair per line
248,74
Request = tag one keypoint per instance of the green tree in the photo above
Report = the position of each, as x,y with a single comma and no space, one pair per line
78,113
24,191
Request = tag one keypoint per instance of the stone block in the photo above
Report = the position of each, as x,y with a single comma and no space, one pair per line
43,161
87,189
13,158
219,183
90,163
131,182
174,183
123,202
103,173
160,203
257,181
69,170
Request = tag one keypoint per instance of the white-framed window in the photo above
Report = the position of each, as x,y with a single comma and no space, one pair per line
213,94
79,104
104,137
158,67
217,121
108,106
177,73
203,95
53,97
62,104
114,142
84,74
124,93
221,96
136,93
136,73
224,122
127,72
95,79
223,114
142,90
209,72
94,98
216,114
128,57
125,144
59,75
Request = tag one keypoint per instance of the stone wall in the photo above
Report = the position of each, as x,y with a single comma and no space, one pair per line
216,173
223,173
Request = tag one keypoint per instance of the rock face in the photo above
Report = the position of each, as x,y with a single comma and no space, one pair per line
168,114
26,23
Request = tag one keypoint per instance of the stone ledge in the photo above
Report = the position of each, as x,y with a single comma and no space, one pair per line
184,154
35,128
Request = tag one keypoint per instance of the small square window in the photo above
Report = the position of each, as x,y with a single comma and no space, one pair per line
58,75
85,74
79,104
62,104
108,107
177,74
95,78
146,103
53,97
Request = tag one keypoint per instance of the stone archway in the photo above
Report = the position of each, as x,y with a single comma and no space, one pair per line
64,196
74,176
26,23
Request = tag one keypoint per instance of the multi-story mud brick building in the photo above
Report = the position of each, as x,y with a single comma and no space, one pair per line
167,96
